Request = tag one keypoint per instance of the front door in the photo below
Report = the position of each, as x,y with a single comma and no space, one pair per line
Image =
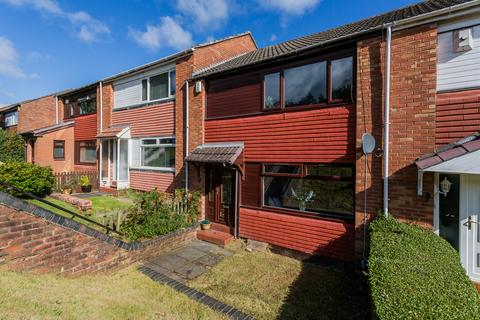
220,204
469,225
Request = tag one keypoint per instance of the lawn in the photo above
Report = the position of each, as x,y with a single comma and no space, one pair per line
126,294
271,286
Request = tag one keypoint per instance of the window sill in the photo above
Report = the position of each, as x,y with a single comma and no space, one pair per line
144,104
153,169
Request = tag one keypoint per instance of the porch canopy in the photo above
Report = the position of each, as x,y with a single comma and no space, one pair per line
462,156
120,131
228,153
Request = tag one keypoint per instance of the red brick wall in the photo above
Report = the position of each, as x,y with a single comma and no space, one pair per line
29,243
36,114
107,106
44,150
412,117
458,115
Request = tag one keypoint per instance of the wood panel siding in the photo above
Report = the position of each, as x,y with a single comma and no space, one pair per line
85,128
148,180
251,185
317,135
234,96
457,115
313,236
148,121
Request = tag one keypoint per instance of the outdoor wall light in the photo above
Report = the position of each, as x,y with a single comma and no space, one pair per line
445,186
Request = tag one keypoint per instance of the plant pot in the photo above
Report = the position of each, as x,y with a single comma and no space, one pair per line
205,226
86,189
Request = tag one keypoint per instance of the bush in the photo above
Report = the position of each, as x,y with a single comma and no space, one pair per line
12,147
415,274
154,214
27,177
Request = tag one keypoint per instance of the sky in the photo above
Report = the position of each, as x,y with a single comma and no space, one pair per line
50,45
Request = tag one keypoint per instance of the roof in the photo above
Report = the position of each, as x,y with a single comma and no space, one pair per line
8,107
44,130
460,148
113,131
347,31
220,153
174,56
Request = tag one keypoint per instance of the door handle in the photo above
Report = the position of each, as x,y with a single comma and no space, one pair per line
469,222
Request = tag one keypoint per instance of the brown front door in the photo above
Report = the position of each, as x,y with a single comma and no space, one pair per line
220,204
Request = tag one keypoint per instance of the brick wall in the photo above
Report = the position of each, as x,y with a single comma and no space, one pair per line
107,97
37,114
44,150
46,242
458,115
412,128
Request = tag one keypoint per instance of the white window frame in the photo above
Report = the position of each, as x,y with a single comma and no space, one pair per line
158,144
170,96
5,117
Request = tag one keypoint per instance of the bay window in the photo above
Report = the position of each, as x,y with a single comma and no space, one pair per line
309,188
158,153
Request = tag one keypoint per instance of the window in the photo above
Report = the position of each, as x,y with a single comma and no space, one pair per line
310,189
81,104
86,152
11,119
144,90
173,84
158,153
87,105
342,78
306,84
159,86
271,98
59,149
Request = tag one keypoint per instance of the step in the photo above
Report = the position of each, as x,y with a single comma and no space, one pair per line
214,236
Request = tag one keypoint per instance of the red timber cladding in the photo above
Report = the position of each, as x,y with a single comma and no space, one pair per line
457,115
85,128
148,121
318,135
320,237
148,180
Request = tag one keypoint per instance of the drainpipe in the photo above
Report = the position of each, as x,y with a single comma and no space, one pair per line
187,132
386,153
101,129
56,109
101,106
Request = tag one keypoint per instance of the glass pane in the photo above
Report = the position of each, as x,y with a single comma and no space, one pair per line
159,86
88,104
306,84
104,159
226,188
309,195
167,141
144,89
123,160
160,157
58,153
170,157
173,84
272,91
149,141
282,168
11,118
88,152
342,74
113,155
324,170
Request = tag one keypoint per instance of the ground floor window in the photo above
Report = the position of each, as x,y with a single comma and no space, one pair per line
86,152
309,188
158,153
59,149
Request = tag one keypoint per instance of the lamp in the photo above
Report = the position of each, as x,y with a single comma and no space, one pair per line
445,186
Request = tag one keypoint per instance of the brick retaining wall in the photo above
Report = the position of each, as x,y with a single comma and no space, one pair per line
37,240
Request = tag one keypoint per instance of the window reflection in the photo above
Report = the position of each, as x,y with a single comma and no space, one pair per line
306,84
342,74
272,91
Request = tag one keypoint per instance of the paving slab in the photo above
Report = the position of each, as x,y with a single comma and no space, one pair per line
190,253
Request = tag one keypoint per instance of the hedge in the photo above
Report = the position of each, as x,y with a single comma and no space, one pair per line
27,177
415,274
12,146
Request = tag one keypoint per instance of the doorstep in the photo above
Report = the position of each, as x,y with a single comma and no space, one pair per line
214,236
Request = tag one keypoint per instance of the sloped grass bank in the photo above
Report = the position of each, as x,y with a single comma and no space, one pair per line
415,274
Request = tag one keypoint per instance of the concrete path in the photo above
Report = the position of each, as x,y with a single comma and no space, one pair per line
188,262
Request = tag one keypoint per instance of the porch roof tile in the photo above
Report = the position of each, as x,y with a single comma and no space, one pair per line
112,132
227,153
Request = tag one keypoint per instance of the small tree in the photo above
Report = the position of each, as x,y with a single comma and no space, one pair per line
12,147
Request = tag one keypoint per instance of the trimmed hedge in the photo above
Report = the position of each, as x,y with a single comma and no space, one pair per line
415,274
27,177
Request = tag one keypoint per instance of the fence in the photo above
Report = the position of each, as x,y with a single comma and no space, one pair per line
63,178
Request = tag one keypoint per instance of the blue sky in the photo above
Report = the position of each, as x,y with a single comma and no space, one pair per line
50,45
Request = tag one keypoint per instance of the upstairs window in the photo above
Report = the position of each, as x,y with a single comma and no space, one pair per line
306,84
342,79
80,104
158,153
271,91
10,119
158,87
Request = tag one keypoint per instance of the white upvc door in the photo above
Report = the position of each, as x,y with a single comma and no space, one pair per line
470,224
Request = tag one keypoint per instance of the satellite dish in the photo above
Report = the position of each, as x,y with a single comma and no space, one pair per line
368,143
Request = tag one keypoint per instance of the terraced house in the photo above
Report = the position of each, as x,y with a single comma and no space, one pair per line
281,160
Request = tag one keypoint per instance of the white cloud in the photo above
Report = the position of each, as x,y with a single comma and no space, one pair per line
87,28
34,56
273,37
205,13
290,7
167,33
9,61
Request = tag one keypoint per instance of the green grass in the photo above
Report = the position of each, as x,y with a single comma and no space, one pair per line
58,203
126,294
271,286
109,203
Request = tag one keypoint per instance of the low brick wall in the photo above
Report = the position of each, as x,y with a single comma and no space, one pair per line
37,240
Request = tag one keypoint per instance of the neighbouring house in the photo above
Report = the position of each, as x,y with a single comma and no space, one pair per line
279,157
9,117
142,124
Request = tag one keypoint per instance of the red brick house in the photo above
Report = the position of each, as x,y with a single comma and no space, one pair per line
280,159
142,117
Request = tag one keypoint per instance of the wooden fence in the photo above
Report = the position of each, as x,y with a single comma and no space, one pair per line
65,177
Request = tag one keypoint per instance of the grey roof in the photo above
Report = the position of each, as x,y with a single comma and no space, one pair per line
346,31
61,125
226,153
455,149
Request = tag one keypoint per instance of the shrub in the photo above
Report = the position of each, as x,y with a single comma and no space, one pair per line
154,214
84,181
27,177
12,147
415,274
